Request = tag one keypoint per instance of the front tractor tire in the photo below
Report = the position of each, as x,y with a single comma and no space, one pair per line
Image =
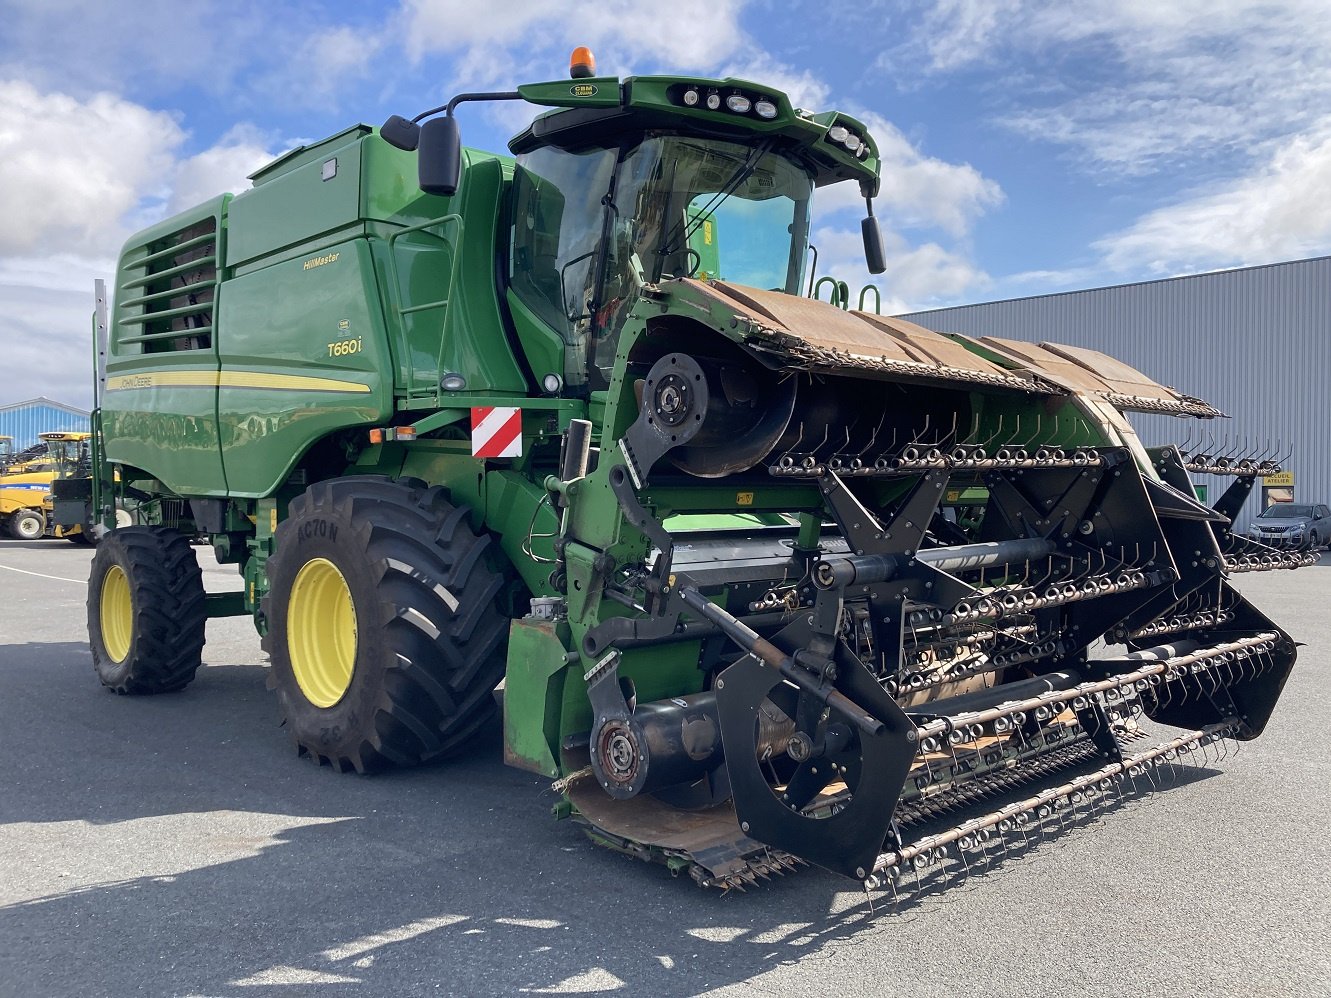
146,611
384,627
27,525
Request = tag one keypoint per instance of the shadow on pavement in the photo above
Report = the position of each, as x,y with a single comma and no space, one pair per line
174,845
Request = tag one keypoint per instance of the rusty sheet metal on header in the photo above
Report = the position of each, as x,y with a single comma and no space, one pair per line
801,331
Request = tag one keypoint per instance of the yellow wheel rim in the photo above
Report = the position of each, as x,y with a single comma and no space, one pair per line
321,632
117,614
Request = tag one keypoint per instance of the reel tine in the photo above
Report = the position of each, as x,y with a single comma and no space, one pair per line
965,866
971,437
873,437
827,432
996,432
893,880
951,435
790,452
919,437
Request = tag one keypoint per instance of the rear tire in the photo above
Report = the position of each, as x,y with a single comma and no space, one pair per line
146,611
384,629
27,525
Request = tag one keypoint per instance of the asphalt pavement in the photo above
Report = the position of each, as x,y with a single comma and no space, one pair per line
176,845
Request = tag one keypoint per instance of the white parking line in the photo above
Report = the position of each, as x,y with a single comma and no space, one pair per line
408,931
57,578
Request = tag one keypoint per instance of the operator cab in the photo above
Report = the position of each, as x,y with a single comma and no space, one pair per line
593,225
67,453
630,183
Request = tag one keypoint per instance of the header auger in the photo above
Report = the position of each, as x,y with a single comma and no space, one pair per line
768,581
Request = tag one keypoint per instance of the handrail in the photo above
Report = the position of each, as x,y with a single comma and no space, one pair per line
840,296
403,310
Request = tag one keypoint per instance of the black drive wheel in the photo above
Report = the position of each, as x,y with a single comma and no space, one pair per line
27,525
145,611
384,628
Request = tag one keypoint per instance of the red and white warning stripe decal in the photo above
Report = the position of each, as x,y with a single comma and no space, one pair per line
496,431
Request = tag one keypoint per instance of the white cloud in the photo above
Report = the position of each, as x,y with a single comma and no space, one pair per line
76,178
333,53
1137,86
802,87
71,170
224,167
922,191
954,33
917,276
46,328
243,54
81,46
318,67
694,34
1278,211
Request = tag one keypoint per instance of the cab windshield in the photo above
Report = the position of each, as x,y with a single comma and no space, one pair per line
67,457
590,227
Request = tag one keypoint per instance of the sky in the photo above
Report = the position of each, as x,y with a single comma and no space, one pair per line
1027,147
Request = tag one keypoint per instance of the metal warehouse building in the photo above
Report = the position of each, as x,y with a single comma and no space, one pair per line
1255,343
24,420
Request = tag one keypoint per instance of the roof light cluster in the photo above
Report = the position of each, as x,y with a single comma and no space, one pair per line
734,101
840,135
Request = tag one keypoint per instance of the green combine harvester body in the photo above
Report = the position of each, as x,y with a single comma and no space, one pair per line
766,580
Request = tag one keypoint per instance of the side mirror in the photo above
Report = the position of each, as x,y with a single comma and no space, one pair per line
439,156
874,254
400,132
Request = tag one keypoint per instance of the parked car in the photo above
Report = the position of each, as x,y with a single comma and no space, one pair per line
1293,525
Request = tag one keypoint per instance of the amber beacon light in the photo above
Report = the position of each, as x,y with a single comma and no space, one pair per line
581,64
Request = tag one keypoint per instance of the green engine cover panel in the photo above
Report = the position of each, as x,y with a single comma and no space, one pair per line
302,354
305,193
159,409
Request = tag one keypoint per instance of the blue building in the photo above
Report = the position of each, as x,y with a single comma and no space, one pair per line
24,420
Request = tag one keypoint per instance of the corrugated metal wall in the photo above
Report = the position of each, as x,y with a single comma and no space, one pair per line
1256,343
24,420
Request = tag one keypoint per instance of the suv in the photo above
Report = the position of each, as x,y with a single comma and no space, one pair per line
1292,525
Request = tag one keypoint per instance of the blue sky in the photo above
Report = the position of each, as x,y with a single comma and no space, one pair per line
1027,147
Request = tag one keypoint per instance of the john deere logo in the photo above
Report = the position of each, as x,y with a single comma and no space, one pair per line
583,90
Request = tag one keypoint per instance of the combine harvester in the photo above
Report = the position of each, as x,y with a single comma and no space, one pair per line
767,580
